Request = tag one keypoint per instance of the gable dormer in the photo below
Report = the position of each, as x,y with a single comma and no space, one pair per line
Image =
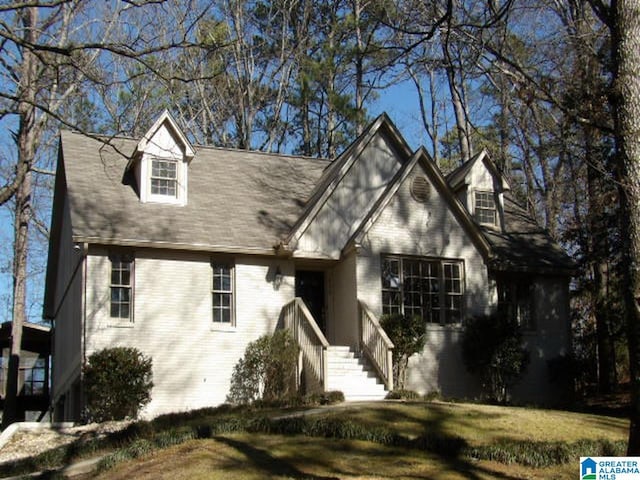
160,163
480,187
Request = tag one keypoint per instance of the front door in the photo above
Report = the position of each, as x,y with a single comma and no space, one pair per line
310,287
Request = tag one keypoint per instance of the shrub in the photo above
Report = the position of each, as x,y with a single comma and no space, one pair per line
118,383
431,396
492,349
408,334
402,395
267,371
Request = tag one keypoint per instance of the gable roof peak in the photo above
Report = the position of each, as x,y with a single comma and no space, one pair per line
165,118
458,177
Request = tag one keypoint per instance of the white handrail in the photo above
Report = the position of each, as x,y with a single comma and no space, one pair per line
376,345
312,342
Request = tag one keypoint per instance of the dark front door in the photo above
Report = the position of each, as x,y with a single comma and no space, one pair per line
310,287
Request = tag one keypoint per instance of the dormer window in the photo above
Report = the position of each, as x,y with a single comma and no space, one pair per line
485,208
160,163
164,177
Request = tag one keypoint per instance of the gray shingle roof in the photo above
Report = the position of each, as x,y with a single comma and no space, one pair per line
524,245
245,200
240,201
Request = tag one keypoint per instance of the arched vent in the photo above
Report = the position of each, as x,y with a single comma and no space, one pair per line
420,189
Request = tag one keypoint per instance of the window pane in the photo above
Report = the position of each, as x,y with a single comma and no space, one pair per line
37,375
390,273
217,300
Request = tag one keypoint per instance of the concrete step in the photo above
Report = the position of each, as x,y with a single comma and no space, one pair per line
352,375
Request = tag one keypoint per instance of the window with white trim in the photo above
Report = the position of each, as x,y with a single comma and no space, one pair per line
164,177
430,288
485,208
121,287
222,294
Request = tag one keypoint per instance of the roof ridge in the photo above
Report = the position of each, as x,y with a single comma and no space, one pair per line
95,136
261,152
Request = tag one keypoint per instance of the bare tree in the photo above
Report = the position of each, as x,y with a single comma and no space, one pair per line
623,19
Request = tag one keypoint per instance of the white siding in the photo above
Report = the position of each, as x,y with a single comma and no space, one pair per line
406,227
192,359
164,144
67,339
480,178
356,193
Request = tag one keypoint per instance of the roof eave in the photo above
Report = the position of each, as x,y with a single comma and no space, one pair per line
194,247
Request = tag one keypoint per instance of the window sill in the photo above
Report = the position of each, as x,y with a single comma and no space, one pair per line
168,200
124,324
223,328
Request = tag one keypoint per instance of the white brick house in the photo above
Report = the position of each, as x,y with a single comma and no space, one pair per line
189,253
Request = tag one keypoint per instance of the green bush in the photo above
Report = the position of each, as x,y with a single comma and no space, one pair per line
492,349
402,395
118,383
267,372
323,398
408,334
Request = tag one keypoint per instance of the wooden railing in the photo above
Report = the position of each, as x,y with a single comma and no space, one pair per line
312,342
376,345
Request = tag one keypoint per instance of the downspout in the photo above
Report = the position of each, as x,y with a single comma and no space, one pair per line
83,323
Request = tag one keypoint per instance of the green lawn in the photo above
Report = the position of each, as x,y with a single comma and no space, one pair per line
482,424
249,457
245,455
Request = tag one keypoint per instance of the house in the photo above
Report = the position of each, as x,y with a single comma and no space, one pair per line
189,253
33,371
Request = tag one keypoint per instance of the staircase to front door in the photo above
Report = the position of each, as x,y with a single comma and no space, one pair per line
324,368
352,375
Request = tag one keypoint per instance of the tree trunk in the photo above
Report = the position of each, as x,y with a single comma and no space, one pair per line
459,108
597,251
26,151
359,61
626,101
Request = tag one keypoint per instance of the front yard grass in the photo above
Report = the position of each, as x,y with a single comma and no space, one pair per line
484,424
251,456
375,440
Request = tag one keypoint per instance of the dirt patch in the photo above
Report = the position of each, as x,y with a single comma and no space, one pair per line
27,443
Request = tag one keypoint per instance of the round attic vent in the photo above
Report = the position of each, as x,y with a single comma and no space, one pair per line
420,189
